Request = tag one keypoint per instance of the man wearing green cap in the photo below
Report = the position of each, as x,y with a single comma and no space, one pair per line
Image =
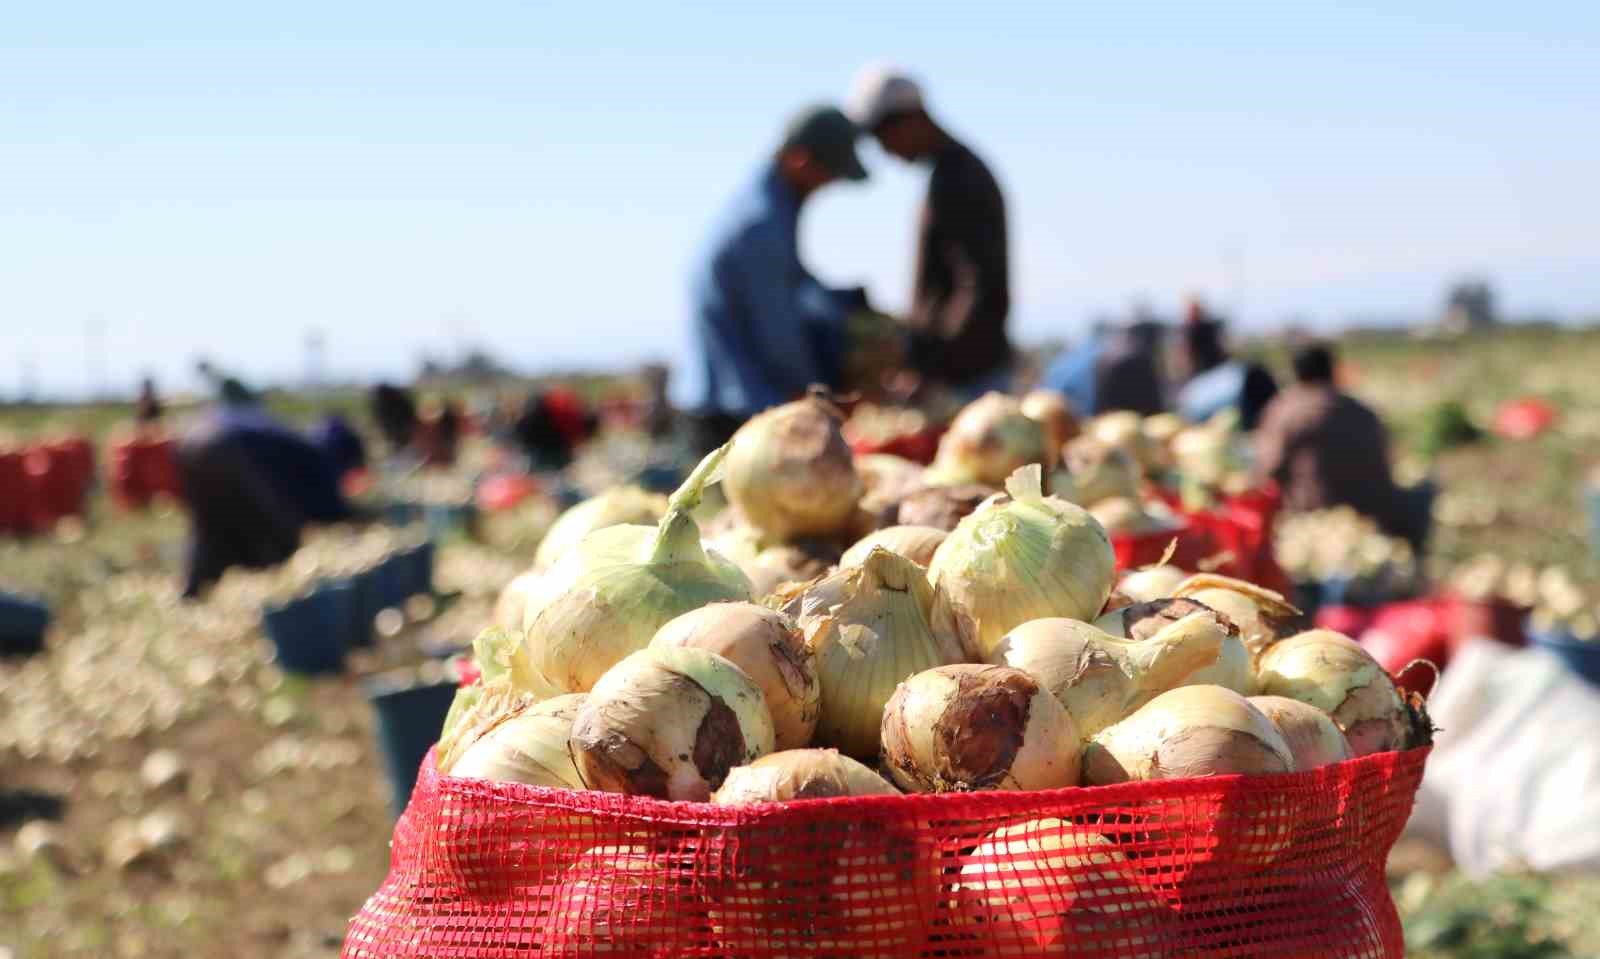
767,329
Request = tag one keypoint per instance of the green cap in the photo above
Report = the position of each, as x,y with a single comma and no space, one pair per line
831,138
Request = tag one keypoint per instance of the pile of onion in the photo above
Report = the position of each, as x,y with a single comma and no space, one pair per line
800,774
614,901
605,598
770,648
1048,887
1101,679
529,746
1333,673
916,543
1150,582
1025,556
1233,667
669,723
886,480
965,727
790,473
769,565
987,441
870,626
614,507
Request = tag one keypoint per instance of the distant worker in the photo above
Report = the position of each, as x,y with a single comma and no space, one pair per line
1217,381
767,329
395,412
1072,372
250,486
1127,371
961,288
1325,448
148,409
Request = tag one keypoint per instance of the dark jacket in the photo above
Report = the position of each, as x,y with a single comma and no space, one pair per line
962,293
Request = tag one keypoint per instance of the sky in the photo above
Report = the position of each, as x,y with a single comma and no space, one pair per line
179,179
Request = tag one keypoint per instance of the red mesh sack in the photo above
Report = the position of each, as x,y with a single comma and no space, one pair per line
1289,865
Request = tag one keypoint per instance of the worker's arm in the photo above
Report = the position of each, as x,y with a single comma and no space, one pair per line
794,323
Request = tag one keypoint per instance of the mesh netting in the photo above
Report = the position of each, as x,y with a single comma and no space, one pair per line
1289,865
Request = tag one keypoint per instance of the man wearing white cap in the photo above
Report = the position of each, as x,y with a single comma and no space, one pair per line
961,294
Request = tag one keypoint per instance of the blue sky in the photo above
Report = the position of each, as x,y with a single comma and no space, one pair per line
223,178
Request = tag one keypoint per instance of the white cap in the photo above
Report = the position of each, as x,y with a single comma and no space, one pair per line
881,90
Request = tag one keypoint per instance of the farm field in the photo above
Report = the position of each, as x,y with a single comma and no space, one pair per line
211,805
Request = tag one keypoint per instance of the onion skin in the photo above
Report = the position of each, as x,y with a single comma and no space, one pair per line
916,543
770,648
800,774
1101,679
669,723
529,747
941,507
513,600
1312,736
1185,732
870,626
989,440
1333,673
966,727
1260,614
1015,888
1029,557
1233,667
790,473
622,504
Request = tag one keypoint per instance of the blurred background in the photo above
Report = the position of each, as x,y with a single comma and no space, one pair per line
235,222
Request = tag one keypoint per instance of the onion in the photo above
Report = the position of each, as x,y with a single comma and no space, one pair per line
622,504
1053,413
915,543
513,601
1311,734
989,440
619,900
790,472
886,479
1126,515
1333,673
836,885
770,648
670,723
1102,679
770,565
1027,557
1042,887
607,597
941,507
800,774
1096,471
1150,582
1233,667
529,747
1185,732
1260,614
1124,430
965,727
871,626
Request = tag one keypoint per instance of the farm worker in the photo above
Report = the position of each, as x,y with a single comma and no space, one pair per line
1127,370
960,293
767,329
1217,381
1325,448
1071,373
250,485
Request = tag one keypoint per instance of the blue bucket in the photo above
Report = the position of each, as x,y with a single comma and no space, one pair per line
23,622
410,716
341,603
1581,657
416,568
302,630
